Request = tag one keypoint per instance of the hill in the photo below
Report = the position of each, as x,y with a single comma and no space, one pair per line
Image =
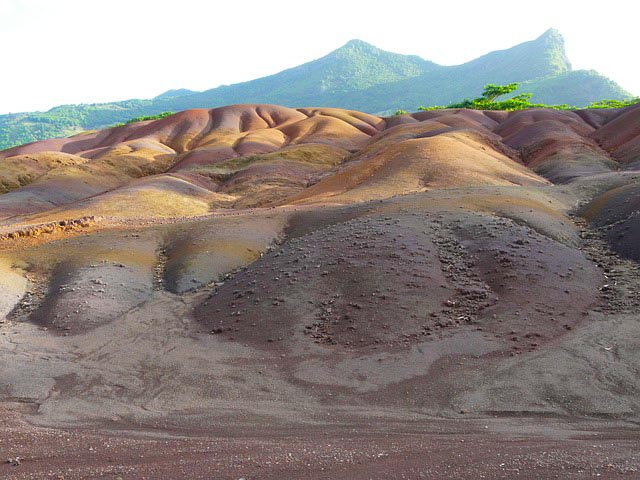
356,76
323,278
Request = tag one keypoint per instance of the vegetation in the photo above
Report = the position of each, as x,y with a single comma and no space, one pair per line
144,118
614,103
19,128
491,92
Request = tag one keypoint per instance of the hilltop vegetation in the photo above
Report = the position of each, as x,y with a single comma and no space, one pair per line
356,76
144,118
19,128
522,101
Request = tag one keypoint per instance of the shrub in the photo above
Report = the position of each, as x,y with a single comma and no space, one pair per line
144,118
488,101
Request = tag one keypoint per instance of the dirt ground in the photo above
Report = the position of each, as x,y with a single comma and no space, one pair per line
492,448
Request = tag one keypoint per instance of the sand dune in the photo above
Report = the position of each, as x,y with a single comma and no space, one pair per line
384,157
450,159
620,137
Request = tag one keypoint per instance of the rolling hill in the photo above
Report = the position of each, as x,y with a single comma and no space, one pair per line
356,76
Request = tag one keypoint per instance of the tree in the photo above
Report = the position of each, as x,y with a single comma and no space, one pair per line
491,91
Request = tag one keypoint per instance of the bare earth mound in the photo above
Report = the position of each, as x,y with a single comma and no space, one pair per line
264,292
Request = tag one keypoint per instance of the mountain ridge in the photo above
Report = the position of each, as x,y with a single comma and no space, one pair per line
357,76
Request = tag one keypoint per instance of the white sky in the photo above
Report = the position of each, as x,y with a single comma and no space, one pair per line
81,51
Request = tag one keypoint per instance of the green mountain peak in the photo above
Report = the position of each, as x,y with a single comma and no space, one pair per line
552,44
552,33
357,44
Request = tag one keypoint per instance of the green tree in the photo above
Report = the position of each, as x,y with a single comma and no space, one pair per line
491,91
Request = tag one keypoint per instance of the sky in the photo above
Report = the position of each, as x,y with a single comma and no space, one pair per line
78,51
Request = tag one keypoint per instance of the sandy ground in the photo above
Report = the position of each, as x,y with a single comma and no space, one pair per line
429,448
172,388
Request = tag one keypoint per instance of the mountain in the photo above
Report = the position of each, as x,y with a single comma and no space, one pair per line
356,76
537,58
178,92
